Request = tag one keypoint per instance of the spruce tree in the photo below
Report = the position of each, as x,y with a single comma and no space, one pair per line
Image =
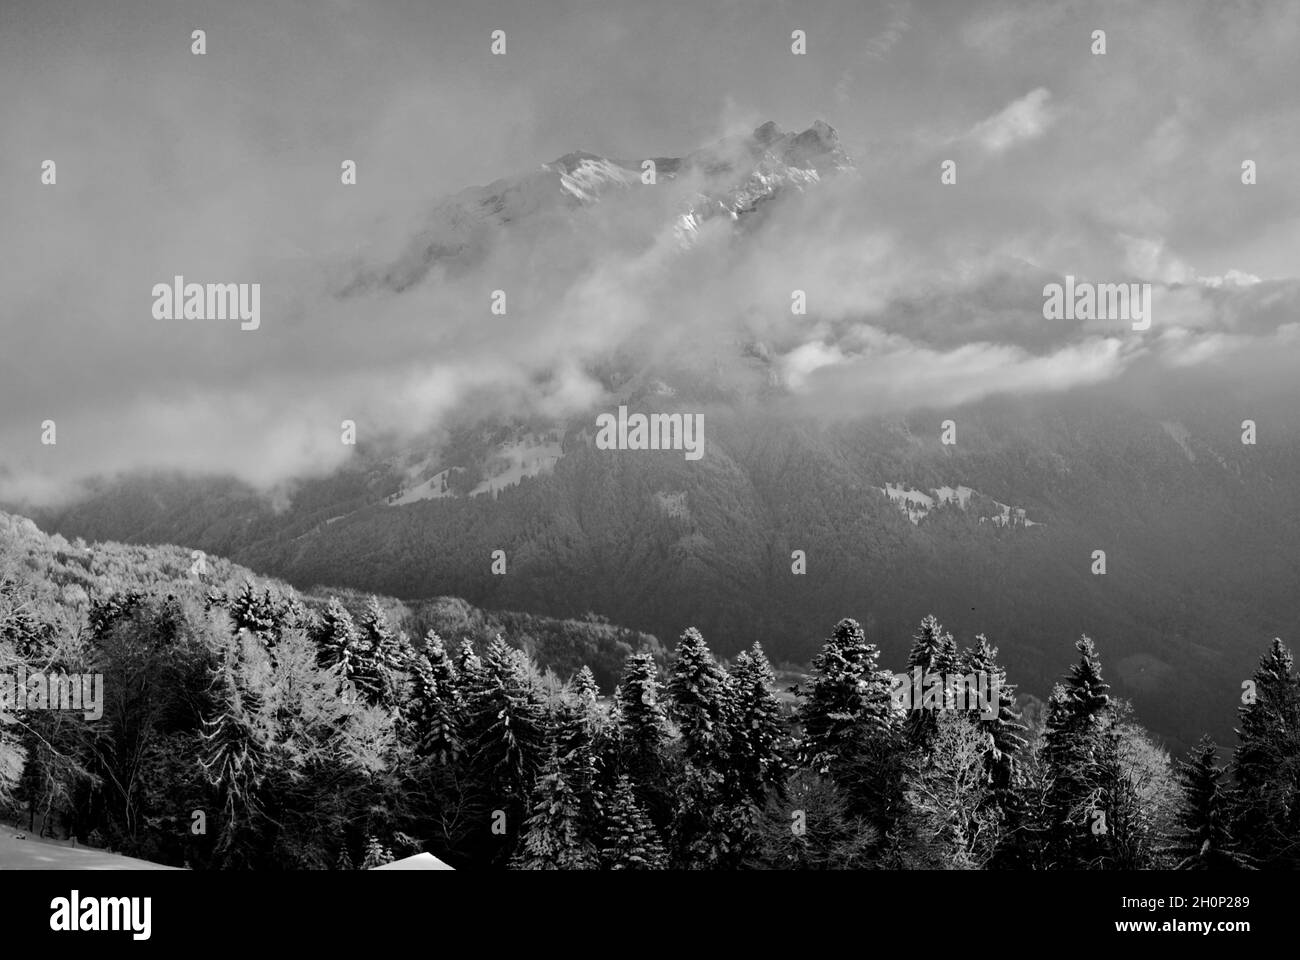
377,855
1266,764
506,730
578,740
701,702
554,836
380,672
934,654
339,642
1004,731
1202,839
1075,745
640,723
846,702
235,757
629,841
435,714
760,739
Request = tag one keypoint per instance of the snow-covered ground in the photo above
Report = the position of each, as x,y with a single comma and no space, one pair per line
528,456
918,504
45,854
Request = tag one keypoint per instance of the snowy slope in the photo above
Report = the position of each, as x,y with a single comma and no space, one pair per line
44,854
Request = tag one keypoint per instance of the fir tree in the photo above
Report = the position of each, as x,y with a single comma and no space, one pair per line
934,654
382,661
554,834
435,714
339,641
235,756
507,731
1005,742
630,841
1202,839
639,719
1075,744
377,855
700,702
846,702
759,740
1266,764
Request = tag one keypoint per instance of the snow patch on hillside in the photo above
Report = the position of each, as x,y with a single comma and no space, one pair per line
1180,436
530,456
919,504
673,504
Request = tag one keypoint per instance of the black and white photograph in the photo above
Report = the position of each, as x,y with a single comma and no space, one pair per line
649,439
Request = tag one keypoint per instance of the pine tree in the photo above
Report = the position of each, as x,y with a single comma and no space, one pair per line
630,841
1202,839
759,741
1266,764
701,702
847,701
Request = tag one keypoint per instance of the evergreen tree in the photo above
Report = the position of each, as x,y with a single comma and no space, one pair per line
1266,764
507,730
340,642
847,701
759,741
934,654
435,715
578,737
236,756
639,720
1202,839
1005,743
377,855
382,662
701,702
1075,744
254,611
468,668
554,834
630,841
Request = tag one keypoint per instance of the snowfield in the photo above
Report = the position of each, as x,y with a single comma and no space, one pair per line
34,853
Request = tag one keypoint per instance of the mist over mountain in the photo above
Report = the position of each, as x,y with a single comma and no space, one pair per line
670,284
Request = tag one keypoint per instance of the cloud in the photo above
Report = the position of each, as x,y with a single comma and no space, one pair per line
227,169
1020,121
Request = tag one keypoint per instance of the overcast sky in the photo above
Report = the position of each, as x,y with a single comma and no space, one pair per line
225,167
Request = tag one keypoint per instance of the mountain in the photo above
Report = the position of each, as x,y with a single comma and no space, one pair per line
997,532
73,574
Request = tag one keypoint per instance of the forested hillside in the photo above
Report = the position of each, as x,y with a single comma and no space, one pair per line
248,726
